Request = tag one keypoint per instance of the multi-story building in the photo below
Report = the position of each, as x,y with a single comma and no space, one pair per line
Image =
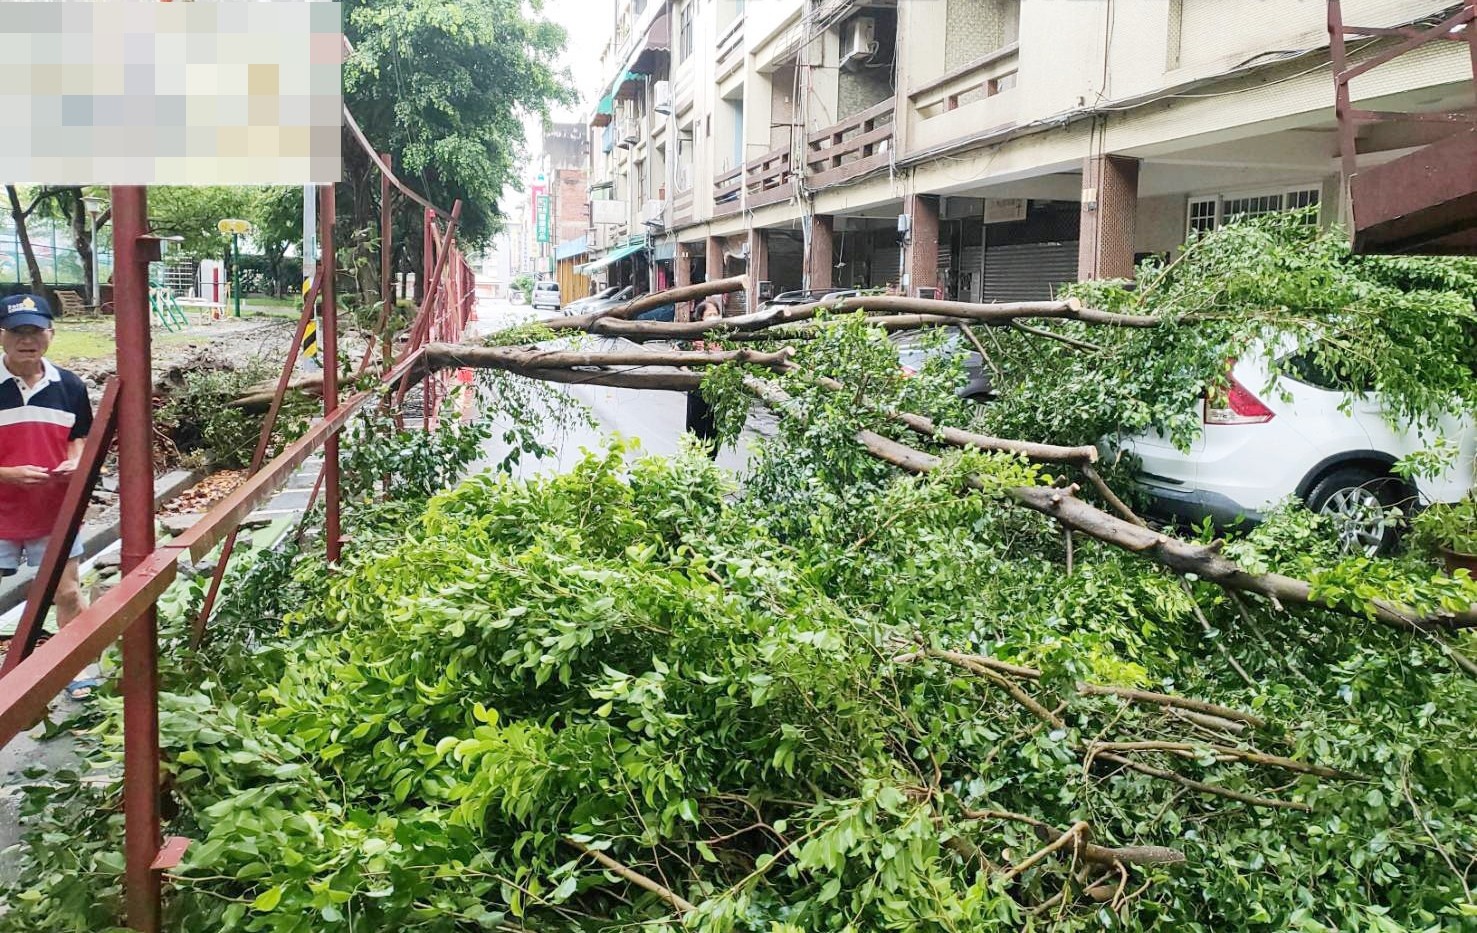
977,149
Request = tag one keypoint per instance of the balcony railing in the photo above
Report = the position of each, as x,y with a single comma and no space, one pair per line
767,178
850,148
983,78
727,192
684,207
730,41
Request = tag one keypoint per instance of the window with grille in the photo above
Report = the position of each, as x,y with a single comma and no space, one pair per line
1202,215
684,32
1207,212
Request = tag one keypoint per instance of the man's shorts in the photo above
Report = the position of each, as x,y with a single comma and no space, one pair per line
11,553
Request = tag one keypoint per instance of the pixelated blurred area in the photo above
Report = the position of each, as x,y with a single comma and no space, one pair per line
228,93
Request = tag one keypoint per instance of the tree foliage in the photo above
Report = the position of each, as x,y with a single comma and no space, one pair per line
1403,327
444,89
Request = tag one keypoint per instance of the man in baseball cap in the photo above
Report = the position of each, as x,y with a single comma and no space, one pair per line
44,419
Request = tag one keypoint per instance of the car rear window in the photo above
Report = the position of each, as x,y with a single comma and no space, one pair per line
1305,368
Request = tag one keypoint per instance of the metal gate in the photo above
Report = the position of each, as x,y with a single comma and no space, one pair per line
1028,271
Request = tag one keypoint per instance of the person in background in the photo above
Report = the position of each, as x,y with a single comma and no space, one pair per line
700,420
44,419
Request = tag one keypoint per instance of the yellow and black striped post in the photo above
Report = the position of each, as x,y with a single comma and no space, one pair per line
309,346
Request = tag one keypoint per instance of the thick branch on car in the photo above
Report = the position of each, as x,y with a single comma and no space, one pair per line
1177,554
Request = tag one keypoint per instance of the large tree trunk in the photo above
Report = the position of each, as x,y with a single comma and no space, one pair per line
33,268
82,236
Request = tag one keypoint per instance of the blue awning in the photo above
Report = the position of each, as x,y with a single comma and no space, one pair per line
572,248
612,257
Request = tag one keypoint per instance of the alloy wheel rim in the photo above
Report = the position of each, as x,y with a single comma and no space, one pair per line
1360,519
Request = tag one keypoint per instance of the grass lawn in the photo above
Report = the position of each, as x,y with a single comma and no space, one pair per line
81,340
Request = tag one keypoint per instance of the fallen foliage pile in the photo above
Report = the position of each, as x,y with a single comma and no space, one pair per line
841,697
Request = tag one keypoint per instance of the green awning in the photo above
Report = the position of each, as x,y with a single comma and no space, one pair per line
614,256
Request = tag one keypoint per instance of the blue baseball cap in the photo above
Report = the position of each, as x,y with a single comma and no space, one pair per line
23,311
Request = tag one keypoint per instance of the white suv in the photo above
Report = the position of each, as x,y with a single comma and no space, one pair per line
1332,449
546,295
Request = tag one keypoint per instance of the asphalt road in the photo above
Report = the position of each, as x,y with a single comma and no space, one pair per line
656,419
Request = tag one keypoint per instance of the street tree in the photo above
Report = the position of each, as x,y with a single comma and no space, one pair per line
444,88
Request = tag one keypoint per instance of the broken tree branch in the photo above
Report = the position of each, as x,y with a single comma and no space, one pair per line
678,902
1227,751
1089,850
1214,789
1075,835
1165,699
647,302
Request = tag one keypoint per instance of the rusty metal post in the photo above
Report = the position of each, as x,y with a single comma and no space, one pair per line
1338,52
332,530
258,457
64,530
140,683
387,226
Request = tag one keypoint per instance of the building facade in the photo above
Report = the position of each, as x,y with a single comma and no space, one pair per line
974,149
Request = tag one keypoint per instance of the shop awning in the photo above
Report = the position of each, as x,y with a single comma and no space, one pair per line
572,248
604,112
612,257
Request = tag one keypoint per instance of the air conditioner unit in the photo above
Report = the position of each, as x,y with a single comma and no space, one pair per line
858,42
661,94
930,293
628,135
654,211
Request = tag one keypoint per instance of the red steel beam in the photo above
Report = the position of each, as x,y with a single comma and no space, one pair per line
333,528
1443,29
387,300
140,679
259,456
64,530
27,691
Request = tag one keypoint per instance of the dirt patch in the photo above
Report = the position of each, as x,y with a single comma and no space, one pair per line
205,494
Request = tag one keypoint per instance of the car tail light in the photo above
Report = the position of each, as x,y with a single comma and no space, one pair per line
1235,404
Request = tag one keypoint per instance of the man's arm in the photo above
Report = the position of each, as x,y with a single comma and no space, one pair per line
82,409
23,476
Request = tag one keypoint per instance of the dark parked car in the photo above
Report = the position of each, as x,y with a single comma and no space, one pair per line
916,347
806,296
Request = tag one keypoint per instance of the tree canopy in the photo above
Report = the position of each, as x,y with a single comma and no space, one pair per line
444,88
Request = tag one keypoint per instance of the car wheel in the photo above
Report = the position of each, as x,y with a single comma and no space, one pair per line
1357,501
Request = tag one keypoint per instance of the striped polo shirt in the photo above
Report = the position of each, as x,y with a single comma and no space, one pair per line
37,423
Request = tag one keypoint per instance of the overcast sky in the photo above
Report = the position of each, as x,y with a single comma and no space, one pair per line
588,24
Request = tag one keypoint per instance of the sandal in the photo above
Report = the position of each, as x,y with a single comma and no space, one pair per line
81,690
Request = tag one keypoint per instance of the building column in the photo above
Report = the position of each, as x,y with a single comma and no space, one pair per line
922,269
716,247
1110,198
758,264
681,278
822,256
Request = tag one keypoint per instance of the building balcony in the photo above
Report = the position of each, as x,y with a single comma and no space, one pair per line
730,48
855,146
768,179
974,97
728,189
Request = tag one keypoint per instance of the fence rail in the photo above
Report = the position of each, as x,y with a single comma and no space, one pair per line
31,676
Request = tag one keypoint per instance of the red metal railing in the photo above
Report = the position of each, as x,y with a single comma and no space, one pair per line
1424,201
30,675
